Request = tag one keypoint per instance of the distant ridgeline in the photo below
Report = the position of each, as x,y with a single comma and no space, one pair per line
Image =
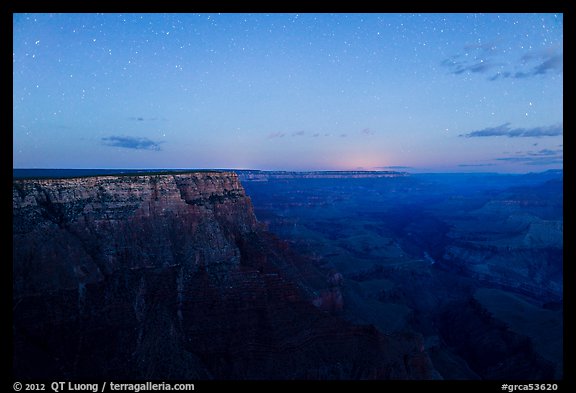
70,173
255,175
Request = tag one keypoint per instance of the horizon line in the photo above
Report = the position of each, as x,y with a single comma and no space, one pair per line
410,170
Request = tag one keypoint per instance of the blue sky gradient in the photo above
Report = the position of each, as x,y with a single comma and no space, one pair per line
431,92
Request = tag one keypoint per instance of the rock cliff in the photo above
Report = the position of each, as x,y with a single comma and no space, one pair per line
171,276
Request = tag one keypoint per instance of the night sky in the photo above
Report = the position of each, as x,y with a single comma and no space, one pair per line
427,92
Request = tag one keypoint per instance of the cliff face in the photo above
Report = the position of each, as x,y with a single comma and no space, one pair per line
91,227
171,276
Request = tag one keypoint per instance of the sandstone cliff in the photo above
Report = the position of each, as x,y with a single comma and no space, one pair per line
171,276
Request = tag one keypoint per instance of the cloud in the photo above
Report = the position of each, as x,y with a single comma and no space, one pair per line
295,134
481,58
500,75
546,162
476,66
280,134
547,63
276,135
474,165
479,67
131,142
540,157
141,118
533,160
394,167
545,152
488,47
552,63
506,130
475,58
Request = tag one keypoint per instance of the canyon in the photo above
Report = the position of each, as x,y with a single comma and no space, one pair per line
473,262
215,274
